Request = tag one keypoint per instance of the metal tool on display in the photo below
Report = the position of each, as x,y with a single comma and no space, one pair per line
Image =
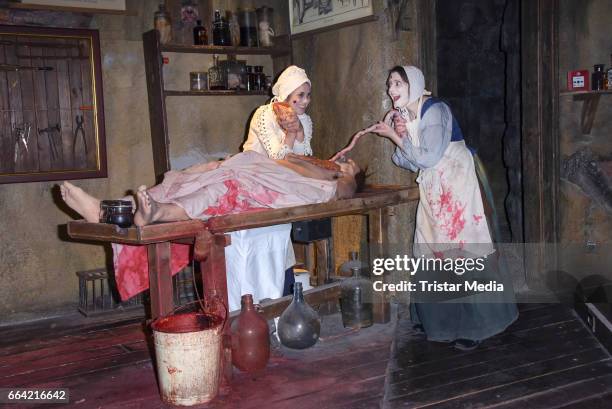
14,67
22,135
52,147
79,122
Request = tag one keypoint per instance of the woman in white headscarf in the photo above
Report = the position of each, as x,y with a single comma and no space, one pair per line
259,261
291,131
450,220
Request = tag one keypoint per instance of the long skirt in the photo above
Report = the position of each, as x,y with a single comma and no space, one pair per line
475,316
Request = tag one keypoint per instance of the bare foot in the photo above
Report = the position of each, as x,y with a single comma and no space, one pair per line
146,207
81,202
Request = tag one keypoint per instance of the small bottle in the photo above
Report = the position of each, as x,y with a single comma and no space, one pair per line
216,80
597,78
162,23
609,82
234,29
200,37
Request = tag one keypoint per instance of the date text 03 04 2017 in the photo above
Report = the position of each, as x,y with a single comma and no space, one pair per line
34,395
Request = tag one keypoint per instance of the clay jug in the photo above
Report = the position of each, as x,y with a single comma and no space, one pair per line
250,338
299,325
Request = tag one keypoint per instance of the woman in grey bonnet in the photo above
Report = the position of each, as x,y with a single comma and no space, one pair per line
450,220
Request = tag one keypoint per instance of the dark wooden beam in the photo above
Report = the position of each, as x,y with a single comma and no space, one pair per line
540,147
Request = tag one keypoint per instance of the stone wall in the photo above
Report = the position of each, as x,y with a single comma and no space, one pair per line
585,159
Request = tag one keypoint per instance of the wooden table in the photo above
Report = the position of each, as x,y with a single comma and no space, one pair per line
210,240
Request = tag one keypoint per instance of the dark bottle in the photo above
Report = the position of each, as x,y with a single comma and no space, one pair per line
250,338
356,301
251,79
299,325
221,31
597,78
200,37
260,77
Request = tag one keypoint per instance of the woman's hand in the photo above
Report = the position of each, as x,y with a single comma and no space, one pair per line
384,130
400,126
287,118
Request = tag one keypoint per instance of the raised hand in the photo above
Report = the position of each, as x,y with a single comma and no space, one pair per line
286,117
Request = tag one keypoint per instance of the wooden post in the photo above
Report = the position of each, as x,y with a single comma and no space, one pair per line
379,248
323,264
160,279
209,250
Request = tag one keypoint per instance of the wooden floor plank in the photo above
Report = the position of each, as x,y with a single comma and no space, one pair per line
550,380
411,351
574,392
508,356
548,351
598,401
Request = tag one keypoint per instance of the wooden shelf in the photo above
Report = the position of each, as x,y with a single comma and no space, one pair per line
605,91
280,55
589,106
221,93
216,49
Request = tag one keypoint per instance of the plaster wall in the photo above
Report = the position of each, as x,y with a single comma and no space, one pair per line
348,68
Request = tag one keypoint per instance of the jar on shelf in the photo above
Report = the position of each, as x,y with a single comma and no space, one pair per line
597,78
609,76
198,81
248,28
265,24
260,77
251,79
163,24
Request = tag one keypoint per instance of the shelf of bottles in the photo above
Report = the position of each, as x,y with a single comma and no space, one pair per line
176,93
217,49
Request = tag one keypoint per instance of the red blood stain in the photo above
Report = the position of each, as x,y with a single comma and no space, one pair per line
238,200
477,219
450,212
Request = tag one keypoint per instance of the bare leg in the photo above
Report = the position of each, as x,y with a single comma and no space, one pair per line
81,202
150,211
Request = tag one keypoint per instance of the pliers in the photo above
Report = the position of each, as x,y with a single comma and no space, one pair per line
79,122
23,138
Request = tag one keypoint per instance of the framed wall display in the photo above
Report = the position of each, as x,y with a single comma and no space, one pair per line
51,107
311,15
77,5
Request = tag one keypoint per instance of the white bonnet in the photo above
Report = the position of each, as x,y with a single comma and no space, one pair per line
288,81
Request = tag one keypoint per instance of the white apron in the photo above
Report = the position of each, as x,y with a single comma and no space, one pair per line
450,214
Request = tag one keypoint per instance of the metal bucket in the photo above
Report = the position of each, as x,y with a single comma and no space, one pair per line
188,351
